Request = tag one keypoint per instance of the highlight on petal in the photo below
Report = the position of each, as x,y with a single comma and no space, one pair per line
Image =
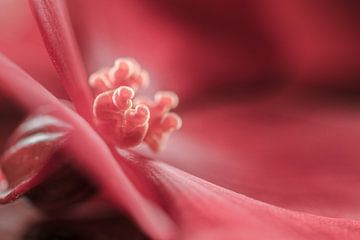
25,162
35,166
89,152
58,36
206,211
127,120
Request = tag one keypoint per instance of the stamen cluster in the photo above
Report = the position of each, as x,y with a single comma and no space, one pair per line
126,118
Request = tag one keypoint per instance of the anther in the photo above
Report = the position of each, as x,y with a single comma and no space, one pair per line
165,101
99,81
104,108
127,72
118,119
171,122
122,97
137,117
162,121
123,121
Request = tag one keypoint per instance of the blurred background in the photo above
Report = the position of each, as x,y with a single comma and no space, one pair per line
243,43
269,90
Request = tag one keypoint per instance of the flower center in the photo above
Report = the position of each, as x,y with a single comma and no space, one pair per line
128,119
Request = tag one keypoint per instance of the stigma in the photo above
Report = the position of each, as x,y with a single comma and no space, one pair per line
124,117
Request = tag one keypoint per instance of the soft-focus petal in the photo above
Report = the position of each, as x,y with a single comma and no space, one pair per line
295,152
21,41
206,211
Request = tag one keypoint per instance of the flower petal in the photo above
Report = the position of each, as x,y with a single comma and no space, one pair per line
205,211
59,39
25,162
90,153
21,41
297,152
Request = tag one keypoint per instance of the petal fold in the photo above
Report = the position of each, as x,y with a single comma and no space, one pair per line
90,153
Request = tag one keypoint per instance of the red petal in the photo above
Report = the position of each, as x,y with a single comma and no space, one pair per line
25,162
17,85
295,153
59,39
90,152
206,211
21,41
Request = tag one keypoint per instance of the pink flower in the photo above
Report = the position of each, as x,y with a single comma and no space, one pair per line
293,151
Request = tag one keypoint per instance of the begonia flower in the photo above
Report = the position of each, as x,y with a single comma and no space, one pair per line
248,163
